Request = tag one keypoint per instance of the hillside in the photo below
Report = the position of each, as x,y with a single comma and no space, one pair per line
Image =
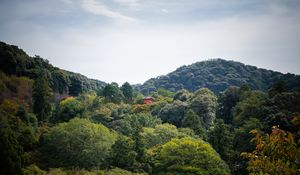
15,61
53,123
217,75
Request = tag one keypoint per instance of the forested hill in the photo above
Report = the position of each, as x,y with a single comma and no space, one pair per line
14,61
217,75
214,74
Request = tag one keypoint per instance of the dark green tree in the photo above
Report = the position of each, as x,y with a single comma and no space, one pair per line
127,91
221,139
250,105
277,88
123,154
173,113
226,102
41,98
192,120
76,85
241,143
60,81
204,103
112,93
10,152
126,126
182,95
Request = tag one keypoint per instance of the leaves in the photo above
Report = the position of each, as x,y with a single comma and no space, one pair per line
277,153
77,143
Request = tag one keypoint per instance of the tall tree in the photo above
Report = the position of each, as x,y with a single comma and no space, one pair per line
41,98
10,152
127,91
204,103
221,139
112,93
192,120
123,154
226,102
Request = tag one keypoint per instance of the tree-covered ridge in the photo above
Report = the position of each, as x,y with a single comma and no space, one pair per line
15,61
217,75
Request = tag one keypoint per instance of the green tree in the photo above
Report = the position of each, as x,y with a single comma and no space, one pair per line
226,102
280,107
41,98
14,118
60,81
173,113
11,153
191,120
77,143
112,93
251,105
69,108
277,88
187,156
182,95
165,93
221,139
127,91
76,85
160,134
132,126
123,154
139,145
241,143
204,103
127,125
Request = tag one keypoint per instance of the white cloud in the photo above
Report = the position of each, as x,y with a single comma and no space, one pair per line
98,8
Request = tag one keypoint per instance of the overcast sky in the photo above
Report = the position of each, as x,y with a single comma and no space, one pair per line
134,40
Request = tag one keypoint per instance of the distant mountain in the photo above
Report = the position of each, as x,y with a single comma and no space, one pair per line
15,61
217,75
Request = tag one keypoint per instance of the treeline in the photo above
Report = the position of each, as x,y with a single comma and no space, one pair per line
217,75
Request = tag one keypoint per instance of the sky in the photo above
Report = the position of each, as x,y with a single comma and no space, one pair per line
135,40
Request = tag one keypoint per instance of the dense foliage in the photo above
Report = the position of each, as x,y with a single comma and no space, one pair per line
15,61
187,156
56,122
78,143
217,75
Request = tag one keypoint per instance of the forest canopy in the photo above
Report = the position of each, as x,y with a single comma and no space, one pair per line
192,121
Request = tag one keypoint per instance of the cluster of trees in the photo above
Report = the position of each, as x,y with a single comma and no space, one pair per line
98,132
217,75
110,131
106,129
